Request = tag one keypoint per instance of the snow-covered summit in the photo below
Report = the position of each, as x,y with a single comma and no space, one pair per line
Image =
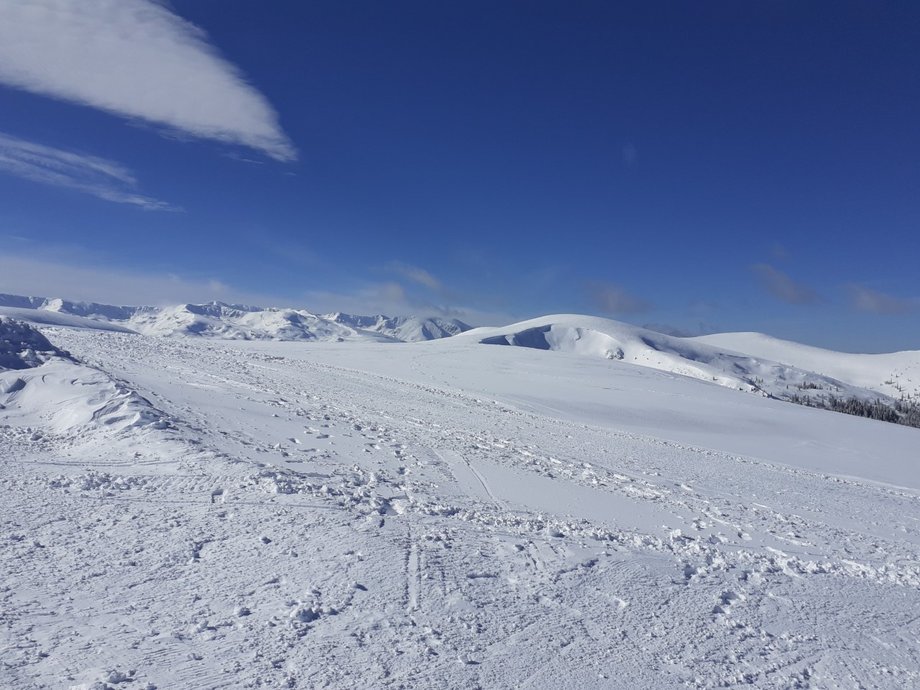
236,321
614,340
408,328
891,373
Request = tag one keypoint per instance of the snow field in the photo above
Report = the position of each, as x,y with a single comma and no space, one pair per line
446,514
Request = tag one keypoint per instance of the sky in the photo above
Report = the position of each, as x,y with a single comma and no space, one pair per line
695,167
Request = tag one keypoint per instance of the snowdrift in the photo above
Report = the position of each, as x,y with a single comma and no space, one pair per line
43,386
23,347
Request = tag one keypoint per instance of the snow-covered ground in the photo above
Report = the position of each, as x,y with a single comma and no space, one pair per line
441,514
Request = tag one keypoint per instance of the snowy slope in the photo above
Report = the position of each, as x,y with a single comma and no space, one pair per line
613,340
447,514
45,317
235,322
890,374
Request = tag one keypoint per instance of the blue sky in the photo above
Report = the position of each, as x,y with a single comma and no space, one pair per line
700,166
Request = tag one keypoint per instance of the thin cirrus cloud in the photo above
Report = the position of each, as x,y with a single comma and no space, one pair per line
137,59
99,177
613,299
415,274
62,277
875,302
782,286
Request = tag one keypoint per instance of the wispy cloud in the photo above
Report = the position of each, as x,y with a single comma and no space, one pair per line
50,274
780,252
415,274
783,287
49,277
629,153
99,177
392,299
613,299
869,300
137,59
701,329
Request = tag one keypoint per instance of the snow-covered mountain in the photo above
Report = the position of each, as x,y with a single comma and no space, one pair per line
234,321
864,385
892,373
406,328
883,386
614,340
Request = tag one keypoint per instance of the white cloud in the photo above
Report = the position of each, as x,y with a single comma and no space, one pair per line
391,299
613,299
54,275
55,278
875,302
415,274
137,59
99,177
783,287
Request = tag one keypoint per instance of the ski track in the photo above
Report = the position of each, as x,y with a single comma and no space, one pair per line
349,534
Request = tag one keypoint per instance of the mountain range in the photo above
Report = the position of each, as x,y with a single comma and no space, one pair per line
230,321
881,386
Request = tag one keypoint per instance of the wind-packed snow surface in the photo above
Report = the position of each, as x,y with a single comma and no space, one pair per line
199,513
229,321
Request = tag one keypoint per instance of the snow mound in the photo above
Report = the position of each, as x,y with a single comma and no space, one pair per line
64,396
43,386
613,340
231,321
23,347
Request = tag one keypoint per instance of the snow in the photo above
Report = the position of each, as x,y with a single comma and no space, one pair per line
265,513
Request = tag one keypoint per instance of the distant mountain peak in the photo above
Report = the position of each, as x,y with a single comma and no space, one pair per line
245,322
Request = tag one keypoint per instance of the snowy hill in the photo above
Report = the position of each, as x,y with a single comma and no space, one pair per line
891,374
613,340
233,321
